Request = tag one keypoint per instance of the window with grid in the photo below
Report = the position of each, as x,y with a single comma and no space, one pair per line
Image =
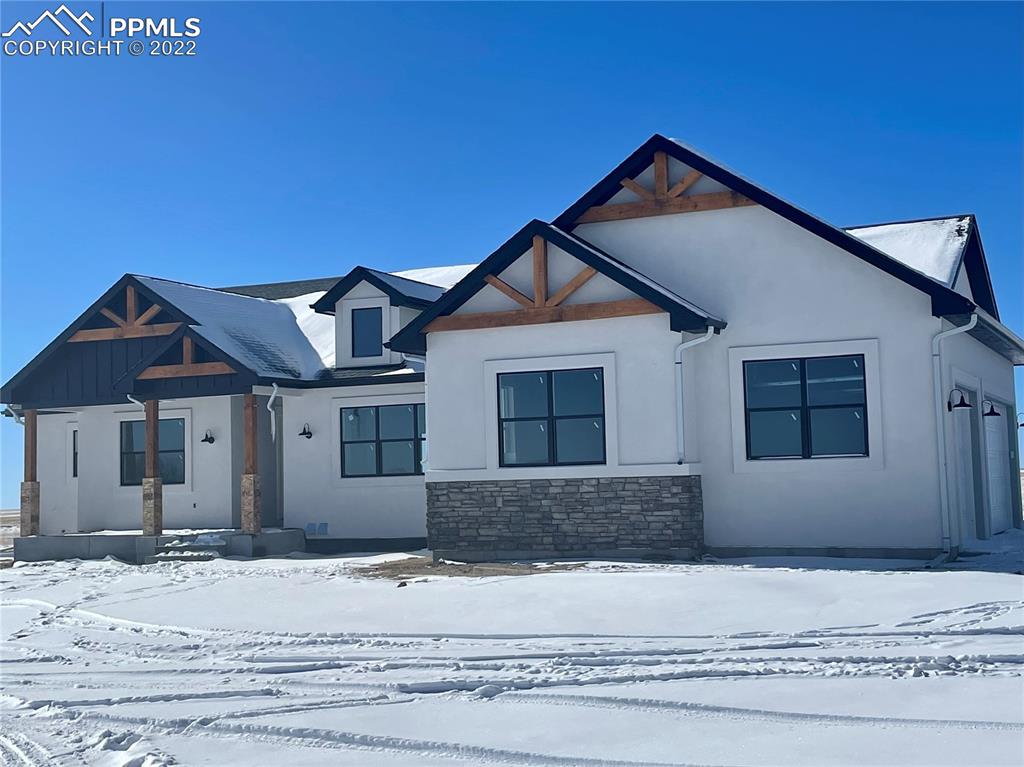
171,451
812,407
551,418
386,440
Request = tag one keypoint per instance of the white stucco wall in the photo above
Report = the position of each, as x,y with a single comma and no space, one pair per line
58,489
636,353
775,284
314,490
205,500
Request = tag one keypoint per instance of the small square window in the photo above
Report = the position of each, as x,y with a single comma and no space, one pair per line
553,417
815,407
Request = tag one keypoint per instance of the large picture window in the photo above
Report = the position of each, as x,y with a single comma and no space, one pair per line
367,332
382,441
813,407
171,456
553,417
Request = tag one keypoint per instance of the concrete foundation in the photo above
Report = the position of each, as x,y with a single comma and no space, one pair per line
252,521
134,549
152,506
30,508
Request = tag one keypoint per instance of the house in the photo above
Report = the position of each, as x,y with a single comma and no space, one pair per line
679,362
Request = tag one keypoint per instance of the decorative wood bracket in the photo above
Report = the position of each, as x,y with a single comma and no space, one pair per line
663,200
543,308
540,315
133,326
188,366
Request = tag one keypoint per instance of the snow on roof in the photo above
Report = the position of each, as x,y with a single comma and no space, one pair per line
318,328
272,338
932,247
283,337
442,276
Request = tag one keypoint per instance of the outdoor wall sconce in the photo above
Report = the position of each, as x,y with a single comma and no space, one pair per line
208,438
963,403
991,412
306,432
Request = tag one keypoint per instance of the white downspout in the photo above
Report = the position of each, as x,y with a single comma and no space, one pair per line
680,424
132,399
422,359
940,430
273,415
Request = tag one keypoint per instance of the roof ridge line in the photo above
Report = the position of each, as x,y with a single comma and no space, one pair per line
925,220
203,287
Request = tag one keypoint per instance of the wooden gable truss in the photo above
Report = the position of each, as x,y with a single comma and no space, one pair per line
663,200
543,308
132,325
188,365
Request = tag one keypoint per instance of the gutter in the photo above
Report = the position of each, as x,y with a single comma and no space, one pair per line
940,431
273,415
680,419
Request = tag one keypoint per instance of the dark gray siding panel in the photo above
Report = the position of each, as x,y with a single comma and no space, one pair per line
85,373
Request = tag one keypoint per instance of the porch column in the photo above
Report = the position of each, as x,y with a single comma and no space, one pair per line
30,486
152,485
251,518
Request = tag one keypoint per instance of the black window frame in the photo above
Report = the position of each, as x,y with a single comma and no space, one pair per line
806,446
161,451
379,310
417,440
74,453
552,420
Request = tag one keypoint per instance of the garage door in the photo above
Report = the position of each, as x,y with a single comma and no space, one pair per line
997,459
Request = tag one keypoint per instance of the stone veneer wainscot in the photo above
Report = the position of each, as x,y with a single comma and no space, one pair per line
528,518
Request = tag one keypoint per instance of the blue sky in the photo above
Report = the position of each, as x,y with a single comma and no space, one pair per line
305,138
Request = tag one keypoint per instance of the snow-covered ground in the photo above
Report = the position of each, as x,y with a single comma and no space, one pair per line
307,662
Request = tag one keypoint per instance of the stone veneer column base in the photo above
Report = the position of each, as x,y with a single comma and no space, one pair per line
29,508
152,506
252,522
522,518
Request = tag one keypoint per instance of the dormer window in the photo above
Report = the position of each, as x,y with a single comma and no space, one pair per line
367,332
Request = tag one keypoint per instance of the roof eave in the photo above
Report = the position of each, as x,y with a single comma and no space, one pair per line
639,159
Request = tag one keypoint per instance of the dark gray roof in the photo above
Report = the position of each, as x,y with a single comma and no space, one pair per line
410,288
265,336
401,290
278,290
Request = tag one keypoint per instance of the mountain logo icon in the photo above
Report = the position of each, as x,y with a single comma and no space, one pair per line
63,18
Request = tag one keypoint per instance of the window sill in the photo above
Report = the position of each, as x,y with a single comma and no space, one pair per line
565,472
818,465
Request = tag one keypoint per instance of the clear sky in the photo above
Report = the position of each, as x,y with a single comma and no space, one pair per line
305,138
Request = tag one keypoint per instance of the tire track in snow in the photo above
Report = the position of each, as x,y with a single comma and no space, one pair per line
337,739
19,749
753,714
